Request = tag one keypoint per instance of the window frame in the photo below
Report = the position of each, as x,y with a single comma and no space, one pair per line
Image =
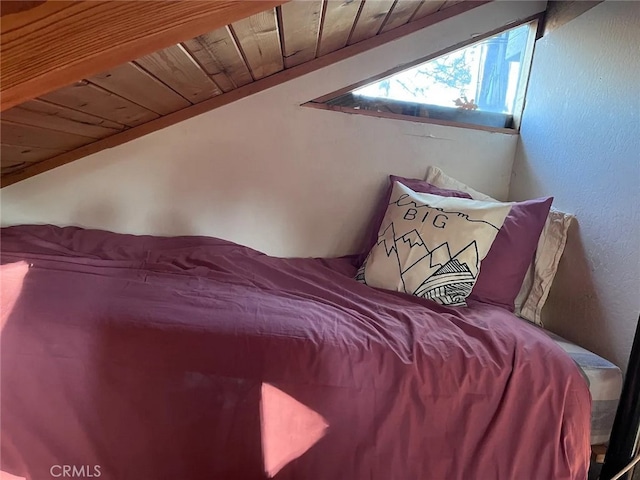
536,22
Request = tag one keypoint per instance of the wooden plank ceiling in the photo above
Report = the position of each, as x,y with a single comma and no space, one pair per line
211,65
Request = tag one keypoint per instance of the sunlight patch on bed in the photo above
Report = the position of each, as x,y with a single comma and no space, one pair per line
288,427
8,476
11,280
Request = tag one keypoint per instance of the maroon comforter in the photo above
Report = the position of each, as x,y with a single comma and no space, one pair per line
194,358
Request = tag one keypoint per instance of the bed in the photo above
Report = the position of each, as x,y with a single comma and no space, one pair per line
197,358
605,386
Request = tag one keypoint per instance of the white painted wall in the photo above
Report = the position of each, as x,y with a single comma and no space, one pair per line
265,172
580,141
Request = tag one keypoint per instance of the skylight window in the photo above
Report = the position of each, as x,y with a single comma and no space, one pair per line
481,84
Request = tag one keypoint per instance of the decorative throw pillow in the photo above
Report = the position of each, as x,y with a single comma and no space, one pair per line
537,280
506,264
414,184
437,177
431,246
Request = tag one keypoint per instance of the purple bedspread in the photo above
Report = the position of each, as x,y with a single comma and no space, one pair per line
195,358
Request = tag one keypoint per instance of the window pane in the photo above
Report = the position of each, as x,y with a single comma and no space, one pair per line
483,76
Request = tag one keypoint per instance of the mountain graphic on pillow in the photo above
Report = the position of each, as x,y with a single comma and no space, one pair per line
431,246
441,274
454,279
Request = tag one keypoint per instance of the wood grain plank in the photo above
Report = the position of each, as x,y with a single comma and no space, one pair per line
300,24
86,97
14,157
209,64
7,8
402,11
175,67
13,168
339,18
247,90
29,136
39,105
57,43
370,20
427,8
131,82
53,117
259,40
218,53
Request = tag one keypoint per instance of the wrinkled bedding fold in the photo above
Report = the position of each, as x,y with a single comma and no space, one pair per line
147,356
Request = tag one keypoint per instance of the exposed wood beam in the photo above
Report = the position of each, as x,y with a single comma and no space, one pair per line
49,45
237,94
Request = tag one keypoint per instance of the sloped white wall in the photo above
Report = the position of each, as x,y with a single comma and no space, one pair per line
265,172
580,141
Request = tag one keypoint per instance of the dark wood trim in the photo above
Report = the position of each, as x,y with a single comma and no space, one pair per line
237,94
56,43
561,12
407,118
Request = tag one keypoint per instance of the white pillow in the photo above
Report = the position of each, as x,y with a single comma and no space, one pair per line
431,246
437,177
537,283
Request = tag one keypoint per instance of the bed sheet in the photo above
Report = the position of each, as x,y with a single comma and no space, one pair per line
197,358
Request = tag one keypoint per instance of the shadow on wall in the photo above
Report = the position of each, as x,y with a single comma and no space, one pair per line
89,214
153,216
529,185
289,209
573,309
170,223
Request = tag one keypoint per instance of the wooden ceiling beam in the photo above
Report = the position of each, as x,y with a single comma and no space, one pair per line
51,44
257,86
